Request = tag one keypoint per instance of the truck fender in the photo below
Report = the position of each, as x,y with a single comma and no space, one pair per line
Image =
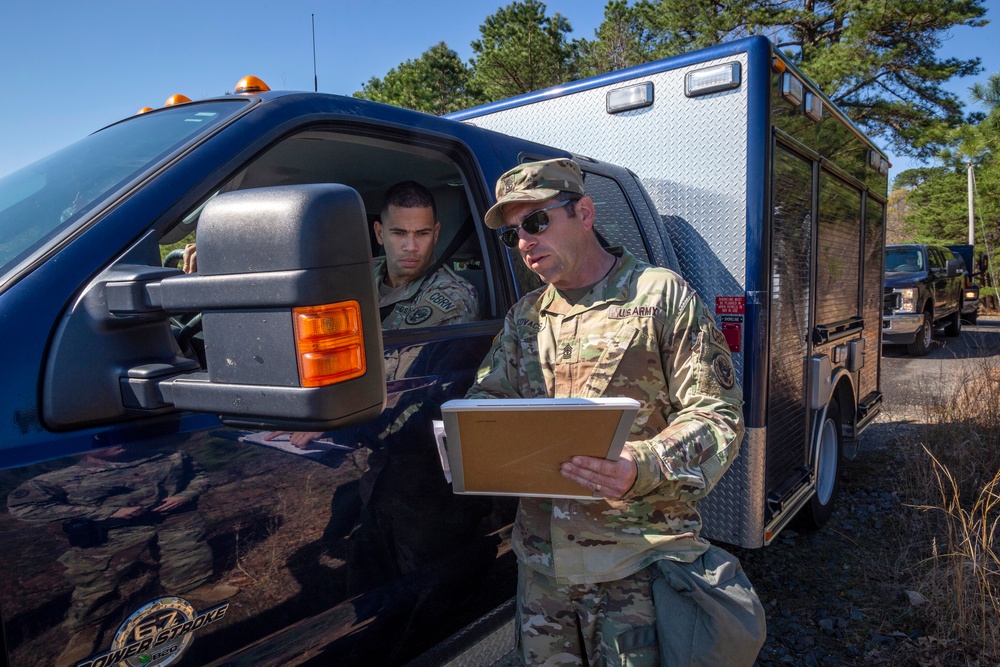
825,381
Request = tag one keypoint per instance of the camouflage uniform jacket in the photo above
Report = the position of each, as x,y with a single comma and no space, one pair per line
642,333
442,298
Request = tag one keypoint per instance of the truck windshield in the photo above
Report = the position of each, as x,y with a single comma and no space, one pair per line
903,260
44,201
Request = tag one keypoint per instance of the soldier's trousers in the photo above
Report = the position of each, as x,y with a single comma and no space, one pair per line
185,561
609,624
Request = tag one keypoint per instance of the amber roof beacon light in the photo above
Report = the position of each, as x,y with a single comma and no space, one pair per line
250,84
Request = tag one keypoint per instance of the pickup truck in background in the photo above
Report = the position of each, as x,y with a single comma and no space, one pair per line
930,282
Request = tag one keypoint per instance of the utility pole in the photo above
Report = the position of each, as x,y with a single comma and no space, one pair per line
972,217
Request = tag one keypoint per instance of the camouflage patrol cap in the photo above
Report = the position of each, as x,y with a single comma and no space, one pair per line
534,181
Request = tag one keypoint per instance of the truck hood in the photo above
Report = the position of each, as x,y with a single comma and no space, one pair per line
897,279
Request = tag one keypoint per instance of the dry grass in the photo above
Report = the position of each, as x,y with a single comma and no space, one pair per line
954,481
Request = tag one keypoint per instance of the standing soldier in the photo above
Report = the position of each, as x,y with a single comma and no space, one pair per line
609,325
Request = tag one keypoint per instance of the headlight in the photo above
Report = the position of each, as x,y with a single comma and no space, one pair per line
909,296
971,295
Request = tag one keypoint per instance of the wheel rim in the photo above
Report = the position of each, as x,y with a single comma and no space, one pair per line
826,471
926,332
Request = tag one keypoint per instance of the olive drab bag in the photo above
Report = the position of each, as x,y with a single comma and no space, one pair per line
707,613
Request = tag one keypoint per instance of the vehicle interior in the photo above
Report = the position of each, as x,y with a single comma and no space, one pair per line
903,261
370,166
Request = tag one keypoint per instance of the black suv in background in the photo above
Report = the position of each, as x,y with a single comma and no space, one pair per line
929,281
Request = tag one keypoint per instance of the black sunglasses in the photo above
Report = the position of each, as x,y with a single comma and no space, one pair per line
533,223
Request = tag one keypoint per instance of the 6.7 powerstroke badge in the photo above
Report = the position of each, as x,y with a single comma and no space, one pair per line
156,635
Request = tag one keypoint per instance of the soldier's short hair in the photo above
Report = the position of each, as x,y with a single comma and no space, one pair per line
408,194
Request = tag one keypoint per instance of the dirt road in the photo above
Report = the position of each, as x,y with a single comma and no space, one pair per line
910,384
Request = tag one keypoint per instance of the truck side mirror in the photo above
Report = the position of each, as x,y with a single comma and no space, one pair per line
953,267
984,264
290,322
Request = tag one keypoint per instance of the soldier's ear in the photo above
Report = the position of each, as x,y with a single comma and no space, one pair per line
377,226
585,209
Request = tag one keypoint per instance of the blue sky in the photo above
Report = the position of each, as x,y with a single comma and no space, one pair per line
68,68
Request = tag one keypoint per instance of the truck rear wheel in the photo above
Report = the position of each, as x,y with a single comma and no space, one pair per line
828,463
922,345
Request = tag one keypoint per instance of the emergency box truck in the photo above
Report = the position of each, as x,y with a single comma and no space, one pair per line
151,513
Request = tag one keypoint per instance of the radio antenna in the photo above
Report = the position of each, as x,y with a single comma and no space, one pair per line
315,78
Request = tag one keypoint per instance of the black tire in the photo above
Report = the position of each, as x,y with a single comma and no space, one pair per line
954,326
921,346
829,462
972,318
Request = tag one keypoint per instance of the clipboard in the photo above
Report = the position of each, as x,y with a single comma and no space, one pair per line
515,447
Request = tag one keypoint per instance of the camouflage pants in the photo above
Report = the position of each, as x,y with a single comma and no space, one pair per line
610,624
185,561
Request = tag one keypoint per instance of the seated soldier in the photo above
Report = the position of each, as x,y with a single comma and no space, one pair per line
410,296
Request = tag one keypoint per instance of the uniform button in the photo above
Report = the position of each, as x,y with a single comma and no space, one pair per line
570,537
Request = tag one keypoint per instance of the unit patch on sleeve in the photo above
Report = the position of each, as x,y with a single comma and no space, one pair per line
442,302
418,315
724,371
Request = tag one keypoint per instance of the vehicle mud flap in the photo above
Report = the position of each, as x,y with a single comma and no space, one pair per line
707,612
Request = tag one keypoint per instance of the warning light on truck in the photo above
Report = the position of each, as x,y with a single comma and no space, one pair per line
329,343
176,99
250,84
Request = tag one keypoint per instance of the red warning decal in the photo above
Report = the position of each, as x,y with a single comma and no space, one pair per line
730,310
730,305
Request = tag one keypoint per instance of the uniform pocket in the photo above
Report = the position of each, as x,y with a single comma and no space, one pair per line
607,365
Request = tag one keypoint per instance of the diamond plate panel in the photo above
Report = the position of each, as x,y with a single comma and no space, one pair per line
742,497
687,152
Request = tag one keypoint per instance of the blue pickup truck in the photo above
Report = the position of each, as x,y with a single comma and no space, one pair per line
930,283
147,515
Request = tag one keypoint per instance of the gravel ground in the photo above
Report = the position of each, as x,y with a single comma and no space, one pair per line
835,596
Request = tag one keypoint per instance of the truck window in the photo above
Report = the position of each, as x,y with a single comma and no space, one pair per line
371,166
946,256
43,202
935,259
838,257
904,260
615,220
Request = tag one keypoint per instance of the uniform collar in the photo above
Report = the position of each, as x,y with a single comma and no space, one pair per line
398,293
611,288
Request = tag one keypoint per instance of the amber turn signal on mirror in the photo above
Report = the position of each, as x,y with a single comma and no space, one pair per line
329,343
